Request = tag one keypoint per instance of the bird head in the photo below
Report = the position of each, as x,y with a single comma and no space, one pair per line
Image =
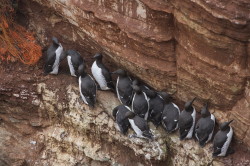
204,111
55,41
188,105
119,72
225,125
129,115
97,56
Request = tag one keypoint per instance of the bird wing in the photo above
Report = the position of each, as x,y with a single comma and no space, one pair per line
140,107
106,73
219,140
107,76
141,123
126,92
201,132
51,56
114,112
203,128
76,60
89,89
185,122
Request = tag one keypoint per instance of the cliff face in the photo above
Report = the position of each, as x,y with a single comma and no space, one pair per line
195,47
43,122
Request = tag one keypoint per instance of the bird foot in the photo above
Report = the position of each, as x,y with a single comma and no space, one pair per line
133,136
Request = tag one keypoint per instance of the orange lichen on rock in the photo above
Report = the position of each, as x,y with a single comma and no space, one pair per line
16,42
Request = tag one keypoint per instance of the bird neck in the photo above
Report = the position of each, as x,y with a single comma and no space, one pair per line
55,44
207,114
189,109
167,101
99,60
138,92
226,128
83,74
122,76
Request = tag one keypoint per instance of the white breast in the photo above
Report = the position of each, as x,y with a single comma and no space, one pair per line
147,99
55,67
133,103
190,133
227,143
97,73
135,128
71,68
176,107
117,92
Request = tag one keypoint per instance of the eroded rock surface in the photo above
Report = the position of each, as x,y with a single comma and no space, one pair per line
51,126
195,47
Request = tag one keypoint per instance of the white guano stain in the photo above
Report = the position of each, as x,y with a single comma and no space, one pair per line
141,11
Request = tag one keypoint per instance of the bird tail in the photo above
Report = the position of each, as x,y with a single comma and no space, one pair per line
91,103
112,86
148,134
183,134
216,153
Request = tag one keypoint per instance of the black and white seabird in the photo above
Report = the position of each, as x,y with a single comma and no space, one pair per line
123,87
156,102
119,115
74,61
102,74
170,115
139,125
140,102
187,121
53,57
205,126
144,88
222,140
156,107
87,87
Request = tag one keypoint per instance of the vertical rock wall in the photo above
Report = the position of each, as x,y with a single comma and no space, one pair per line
43,122
195,47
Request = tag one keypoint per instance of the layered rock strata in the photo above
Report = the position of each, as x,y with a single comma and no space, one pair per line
195,47
43,122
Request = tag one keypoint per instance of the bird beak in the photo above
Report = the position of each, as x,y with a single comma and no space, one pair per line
206,105
230,121
63,55
173,93
55,40
193,100
96,55
113,72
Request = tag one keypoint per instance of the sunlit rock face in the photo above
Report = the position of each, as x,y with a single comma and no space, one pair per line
197,48
50,125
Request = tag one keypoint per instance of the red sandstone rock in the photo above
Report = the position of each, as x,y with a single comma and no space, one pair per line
197,47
